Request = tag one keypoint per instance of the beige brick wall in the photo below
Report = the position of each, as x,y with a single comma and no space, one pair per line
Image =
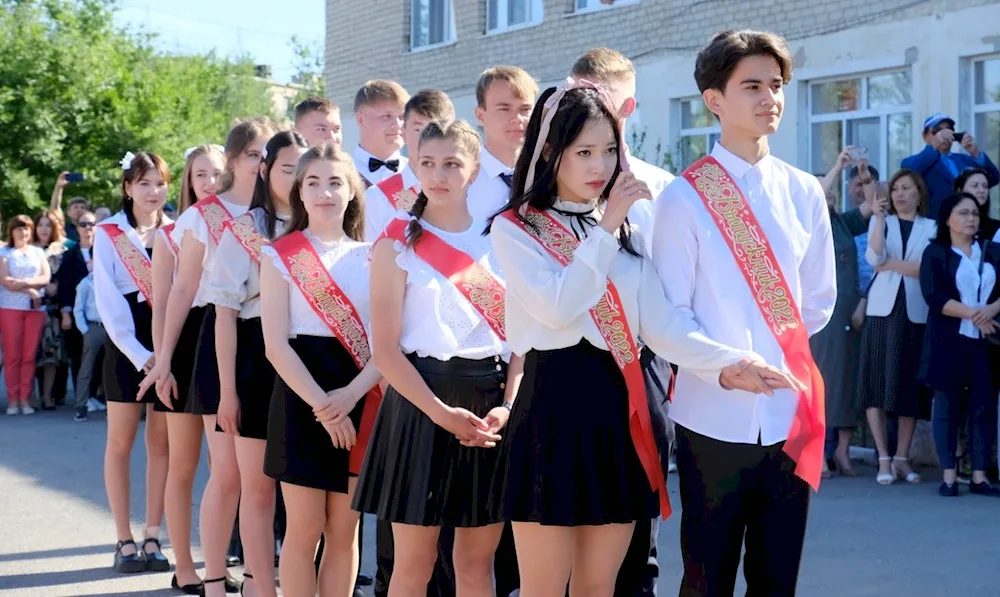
373,42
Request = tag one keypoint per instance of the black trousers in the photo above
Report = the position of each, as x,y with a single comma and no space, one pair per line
736,493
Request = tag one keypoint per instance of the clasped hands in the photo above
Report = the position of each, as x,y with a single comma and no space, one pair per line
985,318
757,377
333,412
158,373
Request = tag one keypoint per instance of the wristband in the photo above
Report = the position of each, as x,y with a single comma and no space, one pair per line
508,405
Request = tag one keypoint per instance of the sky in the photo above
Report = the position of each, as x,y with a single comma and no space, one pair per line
231,27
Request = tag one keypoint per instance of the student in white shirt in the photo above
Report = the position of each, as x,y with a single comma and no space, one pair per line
246,376
124,308
378,110
314,428
736,479
318,120
197,237
398,192
432,451
504,98
572,479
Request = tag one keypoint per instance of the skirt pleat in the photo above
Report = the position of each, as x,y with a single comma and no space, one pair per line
204,387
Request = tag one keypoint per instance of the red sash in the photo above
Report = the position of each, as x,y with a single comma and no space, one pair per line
338,313
166,230
216,216
398,197
136,261
244,231
609,316
480,287
752,251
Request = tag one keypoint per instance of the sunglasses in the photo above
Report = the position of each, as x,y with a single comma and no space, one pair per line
86,224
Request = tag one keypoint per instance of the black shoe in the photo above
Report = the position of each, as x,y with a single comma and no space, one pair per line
128,564
155,561
232,561
232,586
948,490
984,488
197,589
81,415
364,580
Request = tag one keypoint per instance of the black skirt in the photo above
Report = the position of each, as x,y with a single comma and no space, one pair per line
182,363
299,450
254,378
204,387
121,380
568,458
418,473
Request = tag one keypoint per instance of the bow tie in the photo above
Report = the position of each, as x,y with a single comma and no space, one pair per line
375,163
507,178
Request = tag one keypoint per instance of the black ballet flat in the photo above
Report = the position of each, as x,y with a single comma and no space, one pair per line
196,589
364,580
128,564
231,585
156,561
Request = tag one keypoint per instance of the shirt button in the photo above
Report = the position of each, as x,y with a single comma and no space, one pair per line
502,385
496,359
499,368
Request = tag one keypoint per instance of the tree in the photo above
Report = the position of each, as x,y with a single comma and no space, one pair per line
308,69
76,94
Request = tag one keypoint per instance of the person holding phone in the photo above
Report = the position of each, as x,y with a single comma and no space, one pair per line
940,166
76,207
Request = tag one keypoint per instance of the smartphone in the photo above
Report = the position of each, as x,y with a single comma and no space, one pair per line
958,137
74,177
858,153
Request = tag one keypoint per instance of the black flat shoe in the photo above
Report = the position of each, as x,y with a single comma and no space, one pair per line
231,586
128,564
197,589
948,489
155,561
364,580
984,488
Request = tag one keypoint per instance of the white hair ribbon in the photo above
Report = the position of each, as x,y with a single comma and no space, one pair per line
190,150
126,161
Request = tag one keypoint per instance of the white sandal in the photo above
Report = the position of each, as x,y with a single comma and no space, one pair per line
886,478
911,477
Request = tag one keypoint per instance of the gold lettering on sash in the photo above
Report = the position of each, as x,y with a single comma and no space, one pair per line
404,199
245,232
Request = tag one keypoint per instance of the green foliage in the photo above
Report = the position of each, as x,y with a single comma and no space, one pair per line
661,157
76,94
308,69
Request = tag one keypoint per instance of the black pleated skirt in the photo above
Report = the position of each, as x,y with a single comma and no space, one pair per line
182,363
121,380
204,386
418,473
299,450
254,378
568,458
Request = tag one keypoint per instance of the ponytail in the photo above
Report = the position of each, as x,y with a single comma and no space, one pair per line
414,230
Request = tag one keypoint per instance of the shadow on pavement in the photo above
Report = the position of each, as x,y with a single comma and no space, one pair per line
58,553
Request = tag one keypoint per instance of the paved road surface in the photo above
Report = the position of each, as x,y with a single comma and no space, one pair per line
57,539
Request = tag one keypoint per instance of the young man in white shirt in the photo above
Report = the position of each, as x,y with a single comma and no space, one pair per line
397,192
378,110
505,96
318,120
747,461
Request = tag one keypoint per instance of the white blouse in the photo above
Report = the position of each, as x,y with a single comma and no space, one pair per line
192,221
234,282
347,263
21,265
548,305
973,289
438,321
112,282
379,211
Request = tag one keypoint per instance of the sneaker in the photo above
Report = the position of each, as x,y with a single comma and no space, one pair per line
81,415
11,411
27,410
984,488
948,490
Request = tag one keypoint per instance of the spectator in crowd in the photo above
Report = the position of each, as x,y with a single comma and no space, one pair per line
76,264
49,237
89,326
24,272
975,182
76,207
940,166
896,314
958,278
855,198
102,213
835,347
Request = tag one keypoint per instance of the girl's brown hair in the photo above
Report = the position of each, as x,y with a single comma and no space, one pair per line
918,181
461,134
188,196
243,134
142,163
18,221
354,217
55,222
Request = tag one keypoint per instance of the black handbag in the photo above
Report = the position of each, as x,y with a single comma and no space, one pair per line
993,339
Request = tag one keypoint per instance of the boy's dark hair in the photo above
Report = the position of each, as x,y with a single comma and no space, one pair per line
853,173
315,104
717,61
78,200
432,104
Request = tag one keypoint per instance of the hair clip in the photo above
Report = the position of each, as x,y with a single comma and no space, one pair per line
263,153
126,161
190,150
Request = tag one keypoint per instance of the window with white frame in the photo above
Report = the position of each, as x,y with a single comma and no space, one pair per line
699,131
587,5
986,111
432,23
510,14
872,111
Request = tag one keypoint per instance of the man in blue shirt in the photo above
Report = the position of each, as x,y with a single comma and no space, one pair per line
940,167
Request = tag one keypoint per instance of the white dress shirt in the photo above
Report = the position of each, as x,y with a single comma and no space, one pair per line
361,157
641,213
112,281
973,289
702,279
378,210
488,193
548,305
347,263
191,221
234,282
438,321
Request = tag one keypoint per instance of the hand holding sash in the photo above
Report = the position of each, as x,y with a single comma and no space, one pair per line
757,377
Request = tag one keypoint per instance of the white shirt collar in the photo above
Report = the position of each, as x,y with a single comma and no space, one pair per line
735,165
492,166
361,157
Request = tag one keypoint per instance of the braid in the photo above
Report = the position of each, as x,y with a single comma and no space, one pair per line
414,230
